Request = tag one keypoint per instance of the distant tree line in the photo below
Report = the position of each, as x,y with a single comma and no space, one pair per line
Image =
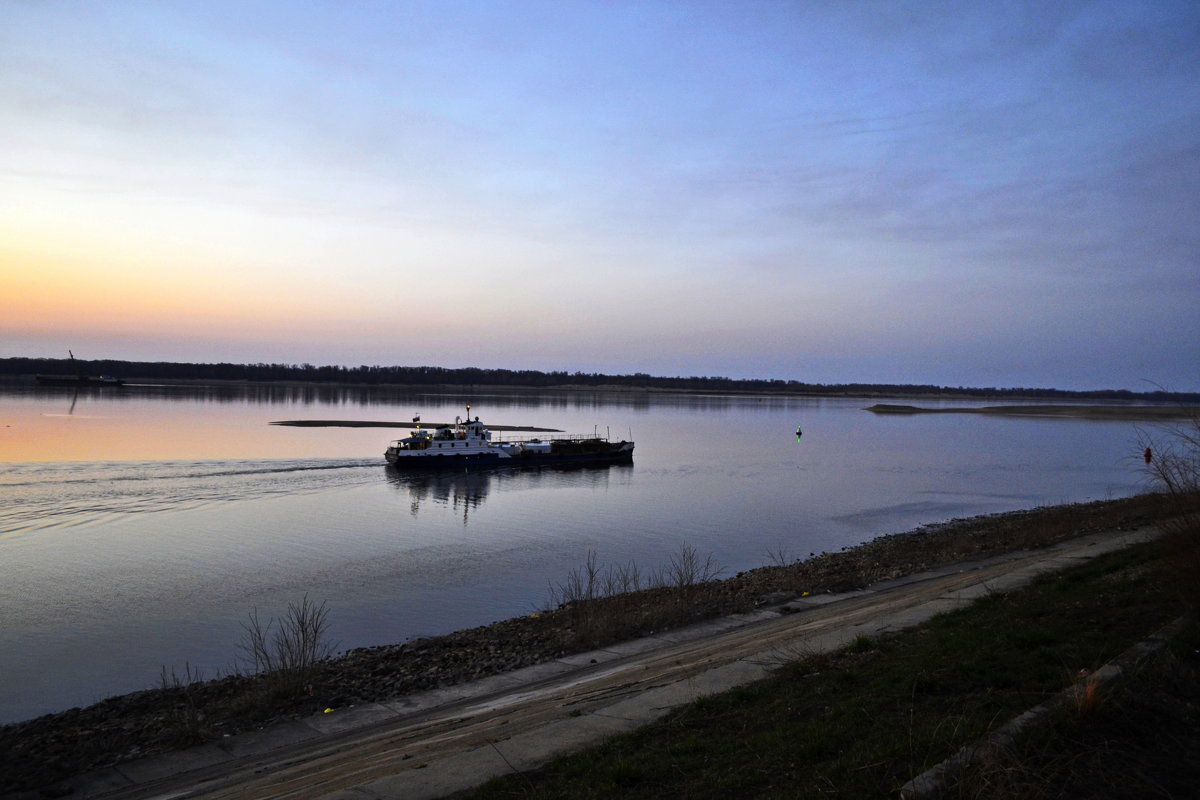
476,376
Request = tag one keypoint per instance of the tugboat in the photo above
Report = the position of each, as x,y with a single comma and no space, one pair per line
468,444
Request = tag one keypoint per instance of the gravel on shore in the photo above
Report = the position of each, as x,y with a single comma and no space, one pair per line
38,752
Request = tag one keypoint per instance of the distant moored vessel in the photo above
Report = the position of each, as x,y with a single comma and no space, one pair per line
79,379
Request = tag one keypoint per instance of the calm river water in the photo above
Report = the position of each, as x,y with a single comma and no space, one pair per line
138,527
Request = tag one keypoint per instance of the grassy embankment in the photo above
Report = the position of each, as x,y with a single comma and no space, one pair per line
864,721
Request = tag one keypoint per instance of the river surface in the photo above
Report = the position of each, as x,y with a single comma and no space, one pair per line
140,526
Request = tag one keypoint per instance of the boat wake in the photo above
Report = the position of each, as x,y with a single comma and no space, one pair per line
42,496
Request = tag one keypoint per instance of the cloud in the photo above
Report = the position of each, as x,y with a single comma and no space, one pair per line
749,187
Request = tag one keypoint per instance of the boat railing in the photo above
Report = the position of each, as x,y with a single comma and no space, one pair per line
556,437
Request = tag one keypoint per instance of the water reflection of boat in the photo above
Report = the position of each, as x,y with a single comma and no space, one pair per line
80,380
465,490
470,445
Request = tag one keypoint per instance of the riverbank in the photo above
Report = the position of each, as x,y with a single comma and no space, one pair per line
40,751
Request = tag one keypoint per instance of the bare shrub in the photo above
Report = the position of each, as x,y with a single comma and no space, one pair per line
181,695
578,595
286,652
1173,466
1173,459
686,569
779,557
605,603
581,584
622,578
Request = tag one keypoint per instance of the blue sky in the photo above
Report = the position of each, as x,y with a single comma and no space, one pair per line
987,194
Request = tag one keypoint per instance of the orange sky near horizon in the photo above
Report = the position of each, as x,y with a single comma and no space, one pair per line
66,293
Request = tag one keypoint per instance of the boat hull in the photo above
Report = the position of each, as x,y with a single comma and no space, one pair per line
613,453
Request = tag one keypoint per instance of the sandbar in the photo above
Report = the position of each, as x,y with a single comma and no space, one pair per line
1114,412
361,423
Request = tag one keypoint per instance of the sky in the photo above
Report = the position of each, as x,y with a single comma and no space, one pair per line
959,193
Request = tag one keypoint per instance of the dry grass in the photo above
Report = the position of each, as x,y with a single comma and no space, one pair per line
1137,738
606,603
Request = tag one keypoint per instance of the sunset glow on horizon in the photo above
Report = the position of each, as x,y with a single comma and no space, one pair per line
931,193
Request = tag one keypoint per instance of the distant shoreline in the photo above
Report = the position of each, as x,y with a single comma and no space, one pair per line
431,378
863,393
